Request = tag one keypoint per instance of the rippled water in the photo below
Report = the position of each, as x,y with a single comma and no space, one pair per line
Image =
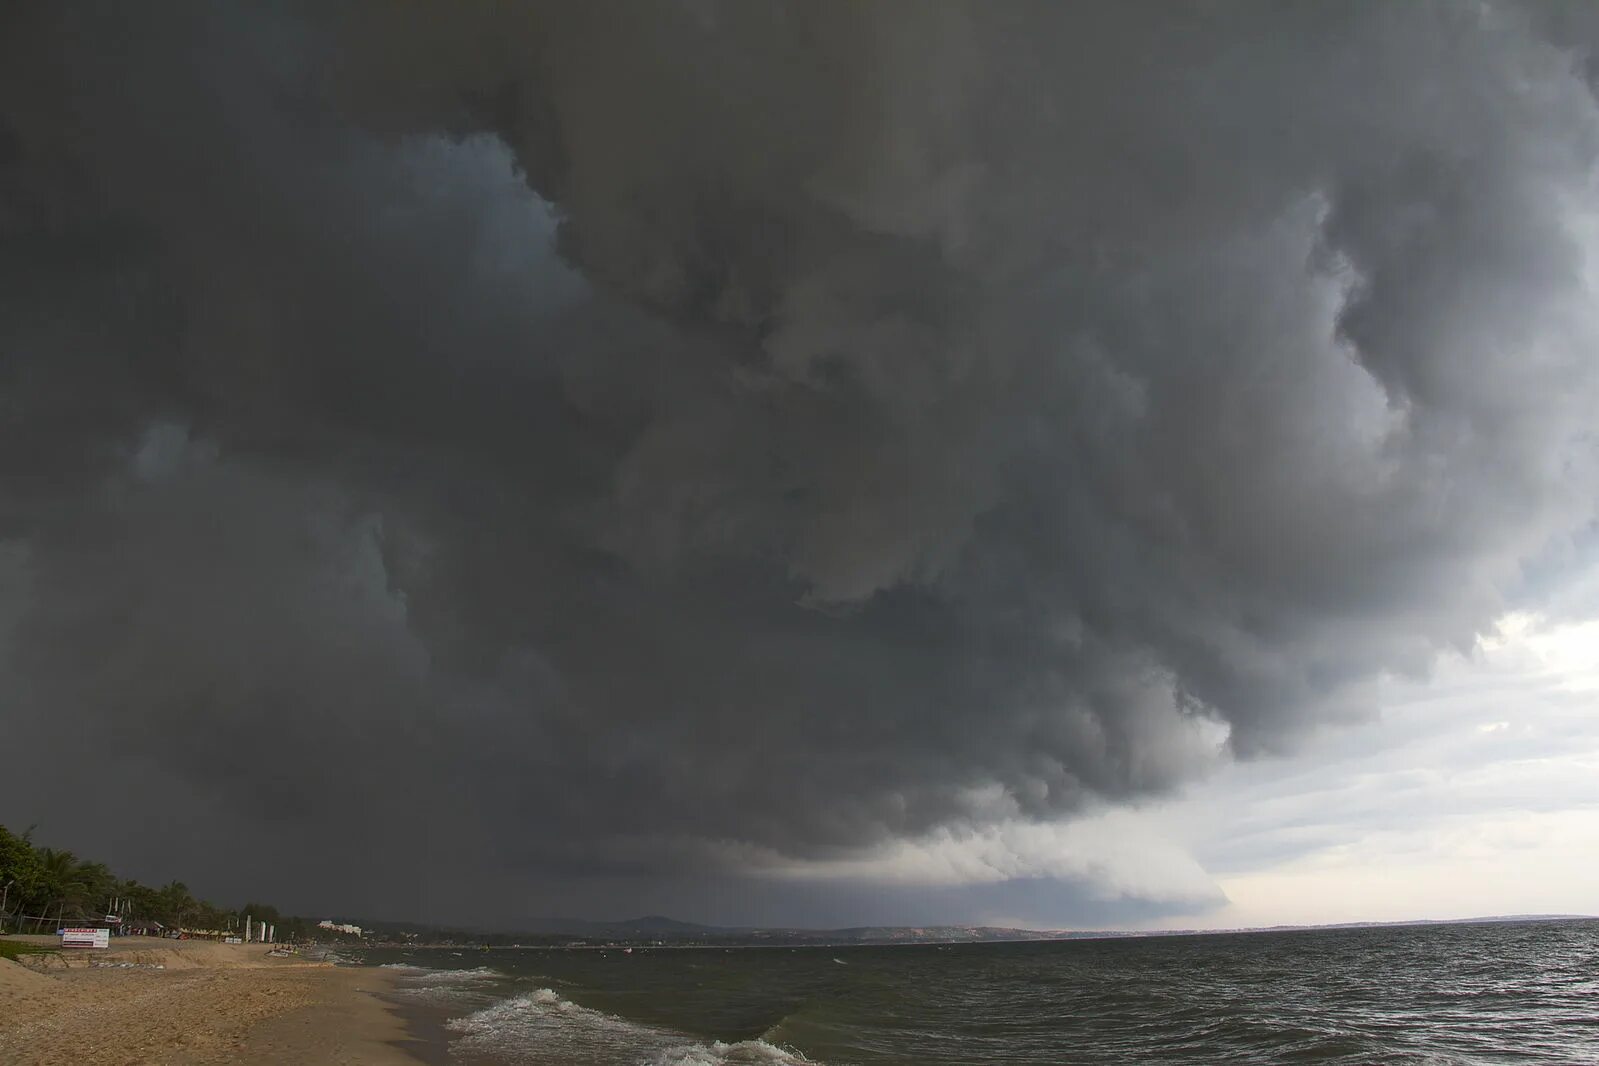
1437,995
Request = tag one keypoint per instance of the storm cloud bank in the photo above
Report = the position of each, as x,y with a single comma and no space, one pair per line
630,437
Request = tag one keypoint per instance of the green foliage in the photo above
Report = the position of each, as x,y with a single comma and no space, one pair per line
262,912
19,864
13,950
53,883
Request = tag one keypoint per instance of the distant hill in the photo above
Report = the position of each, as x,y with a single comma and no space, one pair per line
656,923
659,928
650,925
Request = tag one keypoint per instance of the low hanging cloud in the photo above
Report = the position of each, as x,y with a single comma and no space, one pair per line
1112,855
583,426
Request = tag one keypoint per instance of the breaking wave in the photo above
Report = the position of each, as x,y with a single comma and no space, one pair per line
541,1026
449,977
743,1053
471,988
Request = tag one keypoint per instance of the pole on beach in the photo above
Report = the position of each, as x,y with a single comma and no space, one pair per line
246,928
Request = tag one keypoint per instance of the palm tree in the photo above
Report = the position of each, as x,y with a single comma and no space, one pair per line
19,871
91,888
176,906
55,881
66,882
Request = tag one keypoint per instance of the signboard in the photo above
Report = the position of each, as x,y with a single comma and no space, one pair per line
85,938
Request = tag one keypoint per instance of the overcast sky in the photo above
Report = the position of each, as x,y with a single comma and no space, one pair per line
1070,464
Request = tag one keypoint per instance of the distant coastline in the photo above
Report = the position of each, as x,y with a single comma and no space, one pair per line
653,933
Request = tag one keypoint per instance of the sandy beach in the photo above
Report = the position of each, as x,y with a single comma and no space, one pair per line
191,1002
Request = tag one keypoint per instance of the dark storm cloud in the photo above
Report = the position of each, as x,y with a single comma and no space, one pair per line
614,439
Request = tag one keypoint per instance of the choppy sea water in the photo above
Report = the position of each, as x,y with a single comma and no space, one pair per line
1522,992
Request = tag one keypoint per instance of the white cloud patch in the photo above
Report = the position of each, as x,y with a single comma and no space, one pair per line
1475,793
1110,855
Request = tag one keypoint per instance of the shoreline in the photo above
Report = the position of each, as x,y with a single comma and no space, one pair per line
195,1003
427,1040
1044,937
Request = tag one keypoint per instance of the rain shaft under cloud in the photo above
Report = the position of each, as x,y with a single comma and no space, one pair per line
615,444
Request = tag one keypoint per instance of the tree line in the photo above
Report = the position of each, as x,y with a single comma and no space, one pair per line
57,886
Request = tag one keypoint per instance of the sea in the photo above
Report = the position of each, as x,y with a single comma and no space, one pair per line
1439,995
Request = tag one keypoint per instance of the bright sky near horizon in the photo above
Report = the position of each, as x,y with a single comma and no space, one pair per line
1474,794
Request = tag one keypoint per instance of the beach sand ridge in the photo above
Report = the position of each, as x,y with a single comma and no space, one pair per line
188,1002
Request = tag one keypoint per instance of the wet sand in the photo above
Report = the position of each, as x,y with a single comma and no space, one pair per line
187,1003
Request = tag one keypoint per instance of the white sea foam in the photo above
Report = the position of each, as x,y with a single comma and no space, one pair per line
743,1053
450,977
441,977
444,986
541,1026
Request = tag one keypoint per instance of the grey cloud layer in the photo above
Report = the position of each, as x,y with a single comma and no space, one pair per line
771,425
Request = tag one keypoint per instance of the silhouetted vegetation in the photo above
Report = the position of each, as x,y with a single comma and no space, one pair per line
42,887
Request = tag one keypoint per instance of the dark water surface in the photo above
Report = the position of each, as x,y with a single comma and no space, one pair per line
1525,992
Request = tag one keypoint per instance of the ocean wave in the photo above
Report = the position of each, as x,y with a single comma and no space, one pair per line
442,976
471,988
743,1053
541,1025
447,977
